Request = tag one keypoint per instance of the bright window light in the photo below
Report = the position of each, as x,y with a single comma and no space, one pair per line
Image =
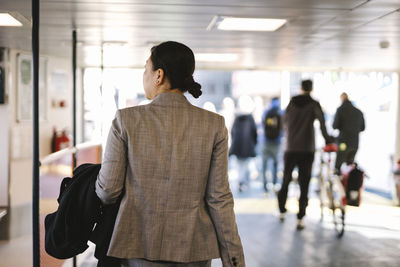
250,24
8,20
216,57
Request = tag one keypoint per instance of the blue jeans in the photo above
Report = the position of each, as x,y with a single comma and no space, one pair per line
270,153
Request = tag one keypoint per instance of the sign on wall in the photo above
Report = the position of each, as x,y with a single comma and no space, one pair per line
25,88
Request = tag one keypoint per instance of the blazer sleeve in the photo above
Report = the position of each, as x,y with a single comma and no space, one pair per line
111,178
219,200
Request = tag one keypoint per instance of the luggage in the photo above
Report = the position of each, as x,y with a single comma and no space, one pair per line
352,182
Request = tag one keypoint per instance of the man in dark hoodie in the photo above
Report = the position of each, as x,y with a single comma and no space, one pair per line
349,120
300,146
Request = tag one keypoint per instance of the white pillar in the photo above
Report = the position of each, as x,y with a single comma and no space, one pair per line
285,89
397,140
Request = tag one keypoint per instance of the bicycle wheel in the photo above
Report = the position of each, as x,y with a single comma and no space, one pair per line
337,207
322,195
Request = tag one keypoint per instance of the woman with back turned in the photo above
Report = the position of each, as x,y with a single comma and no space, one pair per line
170,160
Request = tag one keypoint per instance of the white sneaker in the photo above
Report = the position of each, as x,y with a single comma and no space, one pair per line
282,216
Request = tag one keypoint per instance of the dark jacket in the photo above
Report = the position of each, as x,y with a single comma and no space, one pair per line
68,230
349,120
298,121
244,136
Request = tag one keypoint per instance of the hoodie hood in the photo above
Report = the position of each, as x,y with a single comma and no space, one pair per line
302,100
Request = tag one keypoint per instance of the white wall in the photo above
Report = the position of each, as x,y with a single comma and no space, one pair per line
397,155
21,132
4,137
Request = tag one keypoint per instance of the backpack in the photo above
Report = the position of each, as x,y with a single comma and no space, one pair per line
272,124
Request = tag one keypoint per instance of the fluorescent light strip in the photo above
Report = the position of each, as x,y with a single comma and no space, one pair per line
250,24
216,57
8,20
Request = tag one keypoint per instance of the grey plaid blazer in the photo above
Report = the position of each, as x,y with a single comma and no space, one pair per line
170,158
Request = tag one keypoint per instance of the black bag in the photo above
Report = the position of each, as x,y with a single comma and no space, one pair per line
354,182
272,124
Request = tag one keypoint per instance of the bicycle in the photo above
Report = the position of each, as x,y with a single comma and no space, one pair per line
331,191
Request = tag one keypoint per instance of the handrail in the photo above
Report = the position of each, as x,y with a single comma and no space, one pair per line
66,151
87,145
57,155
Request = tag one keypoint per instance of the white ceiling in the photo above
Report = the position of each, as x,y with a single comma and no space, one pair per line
321,34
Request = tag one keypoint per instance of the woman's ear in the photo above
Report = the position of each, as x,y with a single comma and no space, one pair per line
160,76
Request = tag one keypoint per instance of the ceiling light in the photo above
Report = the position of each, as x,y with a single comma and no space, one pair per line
250,24
115,43
216,57
8,20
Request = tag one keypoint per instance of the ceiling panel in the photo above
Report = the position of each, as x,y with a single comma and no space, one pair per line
319,34
338,4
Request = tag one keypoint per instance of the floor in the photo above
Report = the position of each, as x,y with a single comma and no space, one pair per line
372,236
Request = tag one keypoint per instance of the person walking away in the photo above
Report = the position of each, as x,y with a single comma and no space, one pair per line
168,160
272,122
244,140
349,120
298,122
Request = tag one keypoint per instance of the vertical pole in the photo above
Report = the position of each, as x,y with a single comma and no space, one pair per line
35,120
74,86
74,107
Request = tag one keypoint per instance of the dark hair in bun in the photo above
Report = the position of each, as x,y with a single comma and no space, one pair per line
177,62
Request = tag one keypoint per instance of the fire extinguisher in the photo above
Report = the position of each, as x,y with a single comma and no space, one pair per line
60,141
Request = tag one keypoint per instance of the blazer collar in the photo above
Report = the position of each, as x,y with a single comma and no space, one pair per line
169,98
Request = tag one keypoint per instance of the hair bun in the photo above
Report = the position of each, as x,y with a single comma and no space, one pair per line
193,87
195,90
